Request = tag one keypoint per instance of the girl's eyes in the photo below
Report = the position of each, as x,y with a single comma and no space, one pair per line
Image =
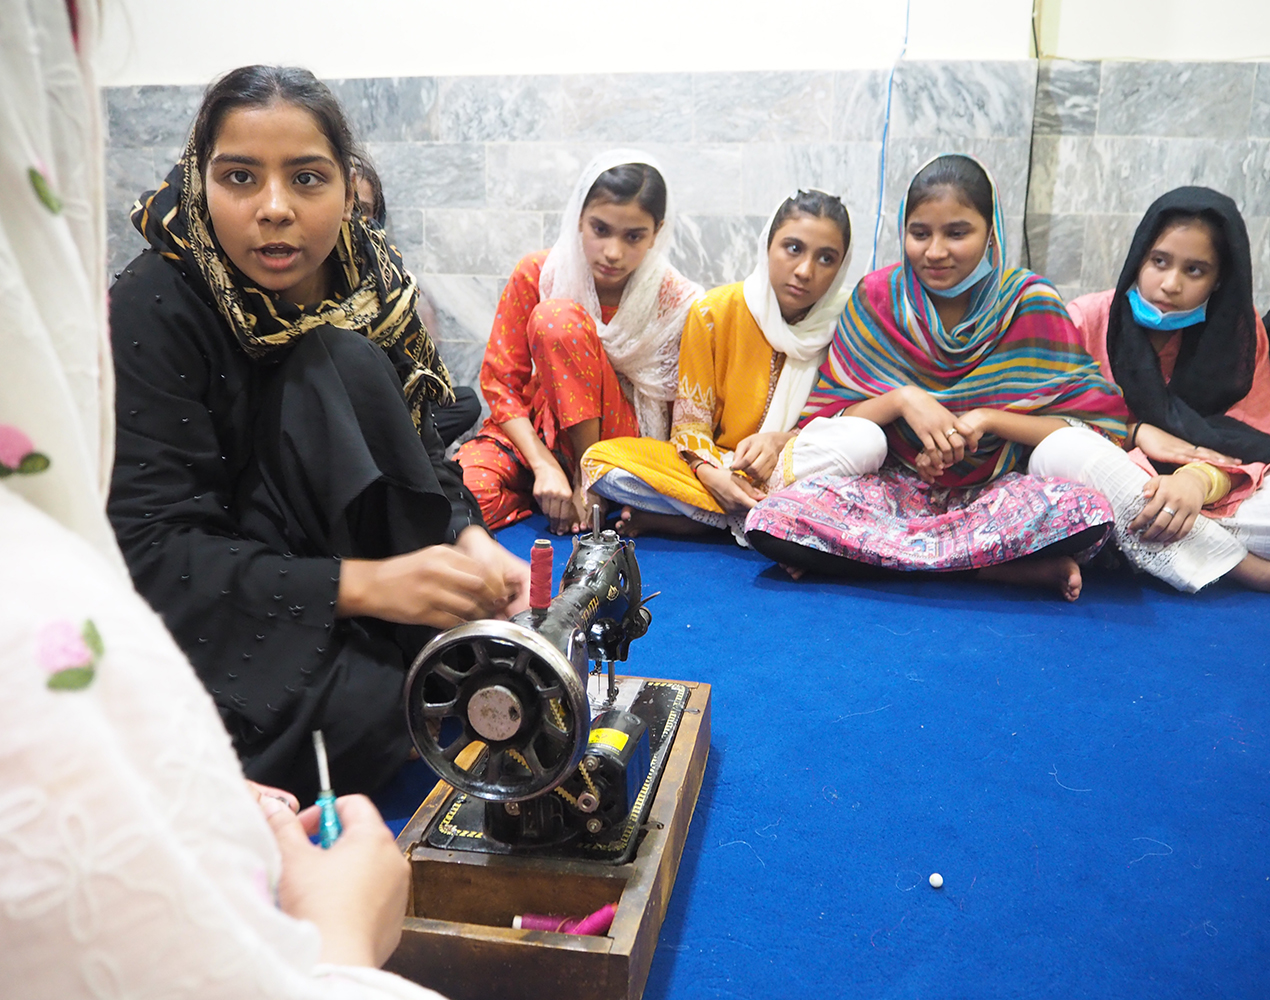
635,238
305,178
793,248
828,259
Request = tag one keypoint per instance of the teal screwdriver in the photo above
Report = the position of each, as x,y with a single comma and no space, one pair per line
330,829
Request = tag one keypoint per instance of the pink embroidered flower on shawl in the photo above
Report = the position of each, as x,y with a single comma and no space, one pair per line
69,654
18,454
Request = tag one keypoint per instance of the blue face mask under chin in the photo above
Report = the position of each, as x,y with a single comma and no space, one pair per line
981,271
1154,319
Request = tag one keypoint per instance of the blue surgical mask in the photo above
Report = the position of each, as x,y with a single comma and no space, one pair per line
981,271
1153,319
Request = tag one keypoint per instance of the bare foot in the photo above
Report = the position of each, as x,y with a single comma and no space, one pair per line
1253,572
633,522
795,572
1059,573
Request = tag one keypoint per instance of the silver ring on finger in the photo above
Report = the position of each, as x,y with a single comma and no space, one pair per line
1168,510
951,431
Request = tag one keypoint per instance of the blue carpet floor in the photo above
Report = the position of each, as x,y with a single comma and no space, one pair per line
1091,780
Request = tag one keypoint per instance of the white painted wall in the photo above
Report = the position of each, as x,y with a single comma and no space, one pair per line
1181,30
191,41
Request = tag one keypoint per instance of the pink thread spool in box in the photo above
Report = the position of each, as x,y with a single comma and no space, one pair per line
597,923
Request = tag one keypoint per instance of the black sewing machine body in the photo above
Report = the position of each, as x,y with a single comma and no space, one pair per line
545,755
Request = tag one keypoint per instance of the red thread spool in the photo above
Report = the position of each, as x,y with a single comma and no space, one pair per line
541,564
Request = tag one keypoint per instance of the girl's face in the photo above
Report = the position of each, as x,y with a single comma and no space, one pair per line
615,239
803,259
277,197
1181,270
944,239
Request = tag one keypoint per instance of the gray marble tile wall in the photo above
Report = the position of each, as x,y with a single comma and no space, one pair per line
477,169
1111,137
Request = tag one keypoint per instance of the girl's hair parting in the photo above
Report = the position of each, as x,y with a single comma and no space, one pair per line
817,204
260,86
1213,224
377,210
960,173
629,182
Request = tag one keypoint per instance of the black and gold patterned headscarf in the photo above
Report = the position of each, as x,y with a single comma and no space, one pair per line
377,298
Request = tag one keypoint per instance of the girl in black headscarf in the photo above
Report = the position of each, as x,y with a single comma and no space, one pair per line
1181,338
279,491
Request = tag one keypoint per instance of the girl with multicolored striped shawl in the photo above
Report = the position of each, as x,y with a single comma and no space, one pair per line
947,374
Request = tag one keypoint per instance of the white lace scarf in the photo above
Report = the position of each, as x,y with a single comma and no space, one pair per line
642,339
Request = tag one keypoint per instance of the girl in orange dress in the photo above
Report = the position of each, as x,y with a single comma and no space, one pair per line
584,346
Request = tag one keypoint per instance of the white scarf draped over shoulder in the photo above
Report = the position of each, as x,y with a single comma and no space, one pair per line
642,340
804,344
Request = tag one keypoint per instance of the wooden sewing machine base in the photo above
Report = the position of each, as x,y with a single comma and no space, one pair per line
457,937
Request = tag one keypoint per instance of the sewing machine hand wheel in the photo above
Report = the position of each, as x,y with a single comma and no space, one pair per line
507,686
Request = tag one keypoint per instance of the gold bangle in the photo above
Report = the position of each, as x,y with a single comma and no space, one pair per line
1218,480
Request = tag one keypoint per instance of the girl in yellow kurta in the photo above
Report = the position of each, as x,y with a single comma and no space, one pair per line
747,361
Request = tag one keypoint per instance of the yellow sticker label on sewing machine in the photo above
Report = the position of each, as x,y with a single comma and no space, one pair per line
614,738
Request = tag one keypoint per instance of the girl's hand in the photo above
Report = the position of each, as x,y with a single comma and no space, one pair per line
939,430
1161,446
932,462
440,586
756,456
1173,503
734,494
979,421
930,466
556,497
480,545
355,892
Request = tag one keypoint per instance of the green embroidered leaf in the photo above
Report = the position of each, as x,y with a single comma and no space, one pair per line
74,679
34,462
92,639
42,190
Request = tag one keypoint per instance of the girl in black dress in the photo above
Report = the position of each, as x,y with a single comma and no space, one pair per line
280,491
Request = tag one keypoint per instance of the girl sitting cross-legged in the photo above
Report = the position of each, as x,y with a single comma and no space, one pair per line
584,345
1180,336
955,371
747,361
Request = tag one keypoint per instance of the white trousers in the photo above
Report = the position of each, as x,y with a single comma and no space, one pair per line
1209,551
841,446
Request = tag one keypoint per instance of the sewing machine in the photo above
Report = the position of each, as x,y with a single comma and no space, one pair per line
564,788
